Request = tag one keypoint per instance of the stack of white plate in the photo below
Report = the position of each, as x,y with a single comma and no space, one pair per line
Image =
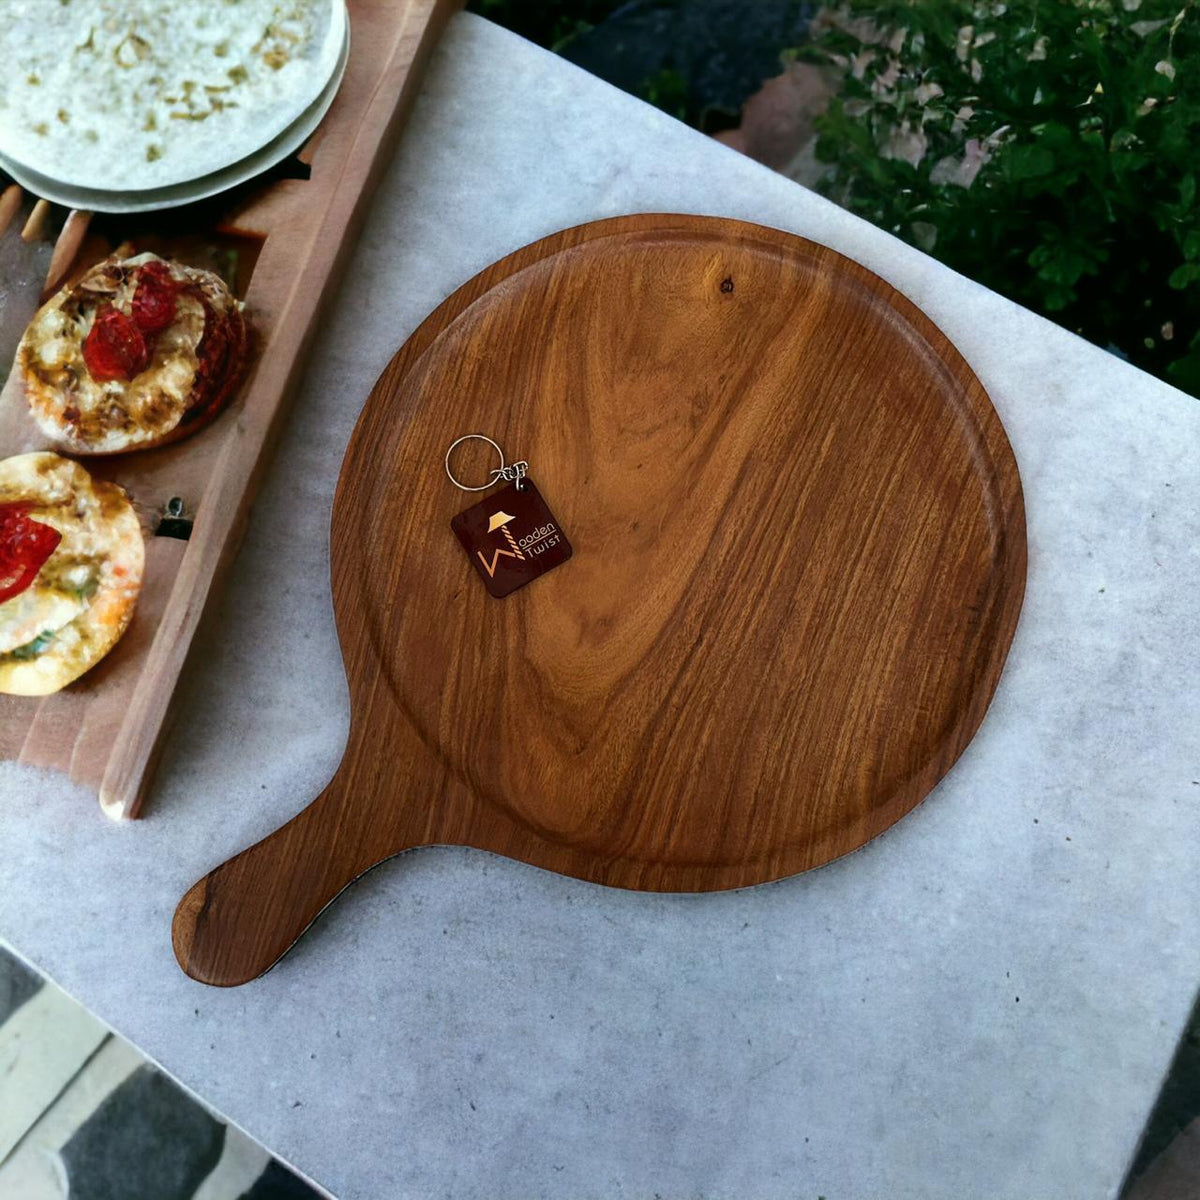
38,144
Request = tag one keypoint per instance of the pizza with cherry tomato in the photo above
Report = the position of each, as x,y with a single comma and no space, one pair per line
137,352
71,558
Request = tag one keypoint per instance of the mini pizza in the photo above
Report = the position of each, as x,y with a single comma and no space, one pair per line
71,557
137,352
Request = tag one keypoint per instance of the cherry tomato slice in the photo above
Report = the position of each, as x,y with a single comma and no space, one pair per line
154,298
25,544
114,347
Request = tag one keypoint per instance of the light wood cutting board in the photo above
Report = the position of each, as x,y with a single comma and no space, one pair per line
294,233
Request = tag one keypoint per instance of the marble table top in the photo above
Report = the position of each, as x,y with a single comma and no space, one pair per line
981,1003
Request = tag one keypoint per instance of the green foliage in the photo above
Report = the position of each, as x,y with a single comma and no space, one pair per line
32,649
667,90
1047,148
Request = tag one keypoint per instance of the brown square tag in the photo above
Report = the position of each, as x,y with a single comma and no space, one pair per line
511,538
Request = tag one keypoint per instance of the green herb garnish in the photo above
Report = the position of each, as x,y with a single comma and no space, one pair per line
33,649
87,589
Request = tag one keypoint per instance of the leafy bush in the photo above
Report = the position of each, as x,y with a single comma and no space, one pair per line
1047,148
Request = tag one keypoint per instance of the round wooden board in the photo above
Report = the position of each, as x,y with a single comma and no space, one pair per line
799,558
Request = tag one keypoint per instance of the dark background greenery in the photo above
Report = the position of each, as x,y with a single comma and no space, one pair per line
1085,209
549,23
697,59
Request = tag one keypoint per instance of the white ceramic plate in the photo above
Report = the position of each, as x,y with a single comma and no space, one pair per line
275,151
111,90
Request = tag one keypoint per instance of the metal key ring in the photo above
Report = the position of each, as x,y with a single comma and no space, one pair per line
493,476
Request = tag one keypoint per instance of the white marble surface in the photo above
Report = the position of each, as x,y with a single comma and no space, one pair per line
462,1026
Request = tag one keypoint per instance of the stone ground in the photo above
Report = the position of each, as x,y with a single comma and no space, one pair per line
1168,1164
83,1115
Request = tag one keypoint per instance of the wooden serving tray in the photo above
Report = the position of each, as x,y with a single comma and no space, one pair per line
799,557
293,235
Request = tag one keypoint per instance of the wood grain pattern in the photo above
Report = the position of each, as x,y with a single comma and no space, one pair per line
10,203
799,559
67,249
106,729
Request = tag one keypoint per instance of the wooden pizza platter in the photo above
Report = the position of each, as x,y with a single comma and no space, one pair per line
799,558
291,234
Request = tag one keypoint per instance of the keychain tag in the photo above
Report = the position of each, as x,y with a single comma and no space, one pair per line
511,537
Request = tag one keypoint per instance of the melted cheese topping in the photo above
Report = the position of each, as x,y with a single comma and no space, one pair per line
108,416
36,611
81,601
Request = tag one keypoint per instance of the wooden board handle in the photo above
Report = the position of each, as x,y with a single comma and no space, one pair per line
242,917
